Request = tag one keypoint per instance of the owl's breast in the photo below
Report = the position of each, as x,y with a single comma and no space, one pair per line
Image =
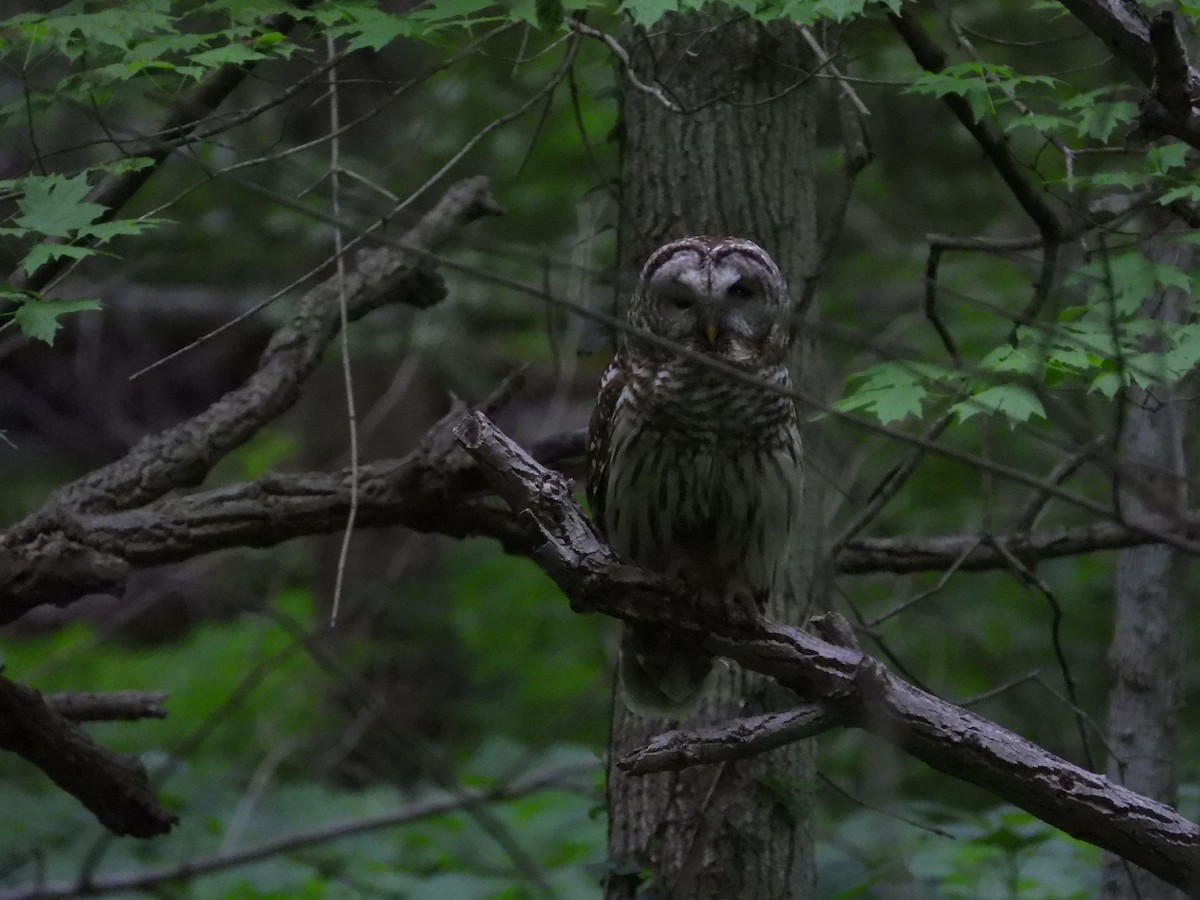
685,502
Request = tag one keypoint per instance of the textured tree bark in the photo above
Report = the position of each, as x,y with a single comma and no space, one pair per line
1146,655
736,159
847,685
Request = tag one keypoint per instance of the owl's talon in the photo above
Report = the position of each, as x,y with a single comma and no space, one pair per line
736,610
744,612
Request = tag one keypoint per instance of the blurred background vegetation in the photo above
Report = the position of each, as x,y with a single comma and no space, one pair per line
454,665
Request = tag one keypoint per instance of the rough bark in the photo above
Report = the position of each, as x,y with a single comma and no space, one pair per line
113,786
1146,656
735,158
850,687
53,551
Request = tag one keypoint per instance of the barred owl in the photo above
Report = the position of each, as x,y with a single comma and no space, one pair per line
691,472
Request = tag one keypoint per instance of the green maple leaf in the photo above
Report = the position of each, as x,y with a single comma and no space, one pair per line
56,206
38,318
1015,401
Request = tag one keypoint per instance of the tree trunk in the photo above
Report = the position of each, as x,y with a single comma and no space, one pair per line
1146,654
737,160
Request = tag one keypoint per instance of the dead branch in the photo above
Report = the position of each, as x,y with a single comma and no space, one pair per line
932,554
110,706
737,739
944,736
50,558
113,786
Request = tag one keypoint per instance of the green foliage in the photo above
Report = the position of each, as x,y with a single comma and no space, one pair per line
56,207
538,674
54,213
999,854
229,798
38,317
807,12
985,86
892,391
528,651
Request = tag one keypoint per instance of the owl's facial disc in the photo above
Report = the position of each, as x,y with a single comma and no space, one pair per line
727,302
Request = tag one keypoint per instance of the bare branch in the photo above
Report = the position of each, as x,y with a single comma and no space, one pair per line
182,456
622,55
933,554
737,739
111,706
890,484
113,786
1060,473
945,736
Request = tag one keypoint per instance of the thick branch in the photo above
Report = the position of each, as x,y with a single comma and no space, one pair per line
182,456
53,557
434,489
944,736
1155,54
113,786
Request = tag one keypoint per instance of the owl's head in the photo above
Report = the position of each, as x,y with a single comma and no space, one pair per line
714,295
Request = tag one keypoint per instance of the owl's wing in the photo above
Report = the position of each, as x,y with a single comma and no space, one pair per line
599,438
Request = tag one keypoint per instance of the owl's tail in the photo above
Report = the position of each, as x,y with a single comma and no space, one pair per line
663,674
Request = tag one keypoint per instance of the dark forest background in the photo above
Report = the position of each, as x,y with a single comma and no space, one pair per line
1006,274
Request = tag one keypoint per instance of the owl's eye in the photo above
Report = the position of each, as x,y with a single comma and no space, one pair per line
681,299
742,289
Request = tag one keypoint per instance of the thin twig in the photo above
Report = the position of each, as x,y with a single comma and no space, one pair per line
891,484
941,583
837,788
1026,519
344,316
545,91
652,90
1028,579
976,699
932,58
823,58
932,263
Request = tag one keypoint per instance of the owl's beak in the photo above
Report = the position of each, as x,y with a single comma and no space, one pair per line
711,331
